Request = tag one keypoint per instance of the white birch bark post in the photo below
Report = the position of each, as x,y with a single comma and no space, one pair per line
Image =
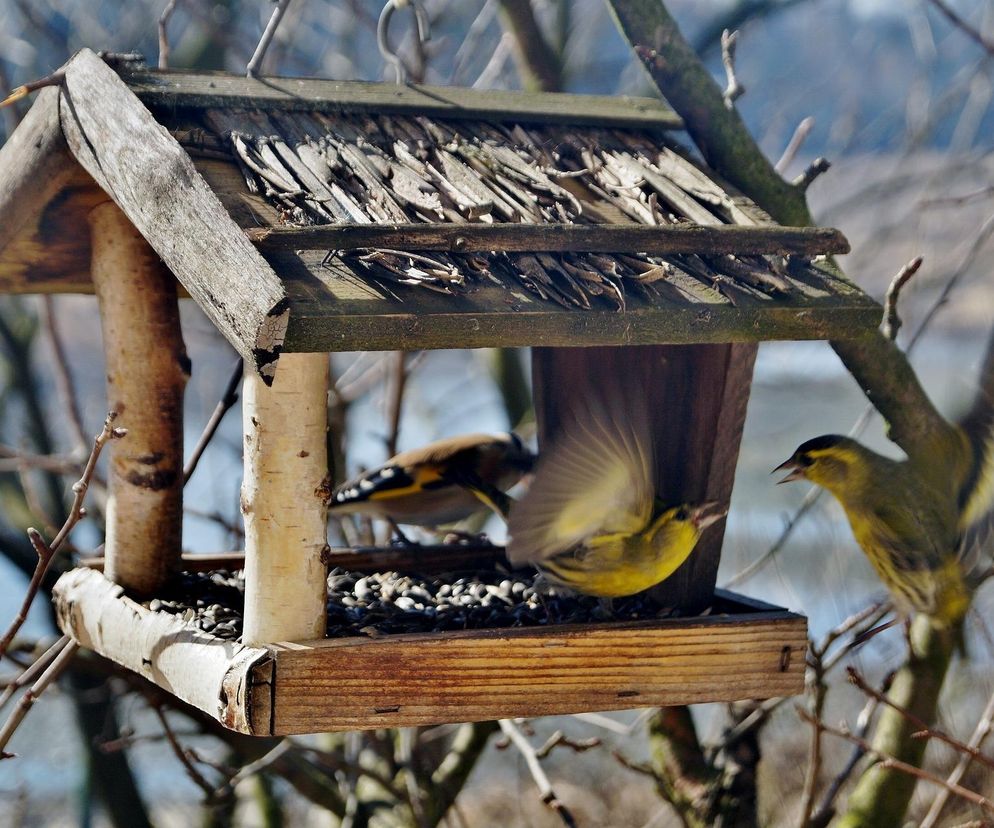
283,502
147,370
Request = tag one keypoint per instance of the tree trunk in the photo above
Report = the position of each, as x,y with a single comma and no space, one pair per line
283,500
147,370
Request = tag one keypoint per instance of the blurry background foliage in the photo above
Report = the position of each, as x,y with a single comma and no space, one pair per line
901,105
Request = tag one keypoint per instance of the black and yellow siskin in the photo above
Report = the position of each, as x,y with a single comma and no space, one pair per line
440,483
918,521
591,521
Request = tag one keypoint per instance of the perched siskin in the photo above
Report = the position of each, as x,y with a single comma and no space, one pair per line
439,483
917,521
591,521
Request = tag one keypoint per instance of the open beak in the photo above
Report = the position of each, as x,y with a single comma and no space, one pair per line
707,513
796,471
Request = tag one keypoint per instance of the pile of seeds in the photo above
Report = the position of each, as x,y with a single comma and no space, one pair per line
384,603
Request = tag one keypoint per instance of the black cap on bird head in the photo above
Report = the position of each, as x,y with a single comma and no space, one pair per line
805,455
518,455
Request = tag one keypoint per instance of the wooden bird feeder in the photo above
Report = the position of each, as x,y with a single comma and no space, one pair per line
309,216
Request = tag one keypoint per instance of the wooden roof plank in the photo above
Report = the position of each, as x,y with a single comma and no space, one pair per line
574,238
217,90
152,179
41,185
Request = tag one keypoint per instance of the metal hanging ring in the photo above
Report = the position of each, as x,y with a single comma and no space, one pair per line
424,32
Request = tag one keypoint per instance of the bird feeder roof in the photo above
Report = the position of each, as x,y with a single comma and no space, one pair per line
307,215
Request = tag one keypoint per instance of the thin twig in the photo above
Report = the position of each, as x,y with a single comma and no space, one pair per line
46,552
252,70
819,690
191,770
892,322
927,731
55,79
545,789
167,12
52,672
957,200
14,460
888,761
856,623
32,670
395,402
560,739
733,89
825,811
794,145
227,401
980,733
63,377
957,21
252,768
814,169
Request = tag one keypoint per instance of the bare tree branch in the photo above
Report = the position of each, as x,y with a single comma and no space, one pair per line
733,89
983,729
953,17
167,12
227,401
888,761
538,63
545,789
46,552
51,673
255,62
892,322
794,145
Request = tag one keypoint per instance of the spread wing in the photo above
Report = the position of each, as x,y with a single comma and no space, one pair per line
976,494
597,478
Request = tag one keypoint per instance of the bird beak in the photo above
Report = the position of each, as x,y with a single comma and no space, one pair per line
707,513
796,471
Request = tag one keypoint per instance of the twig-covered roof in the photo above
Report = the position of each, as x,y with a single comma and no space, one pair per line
409,217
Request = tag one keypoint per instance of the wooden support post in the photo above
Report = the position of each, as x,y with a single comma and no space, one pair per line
147,370
697,397
282,501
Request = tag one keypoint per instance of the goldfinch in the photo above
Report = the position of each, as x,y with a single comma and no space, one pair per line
919,522
439,483
590,520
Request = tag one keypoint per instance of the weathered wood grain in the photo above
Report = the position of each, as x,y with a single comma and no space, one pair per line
43,193
181,89
414,679
211,674
154,182
575,238
35,163
334,313
146,370
421,679
691,393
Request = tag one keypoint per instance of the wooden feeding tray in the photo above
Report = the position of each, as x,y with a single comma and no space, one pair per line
742,649
307,216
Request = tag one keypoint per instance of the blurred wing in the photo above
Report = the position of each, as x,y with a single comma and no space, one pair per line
596,479
976,497
976,552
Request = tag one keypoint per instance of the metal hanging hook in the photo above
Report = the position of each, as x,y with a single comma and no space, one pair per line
424,32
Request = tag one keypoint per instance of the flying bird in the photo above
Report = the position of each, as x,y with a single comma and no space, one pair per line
591,521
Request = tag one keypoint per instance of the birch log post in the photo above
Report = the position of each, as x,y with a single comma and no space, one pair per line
283,503
147,370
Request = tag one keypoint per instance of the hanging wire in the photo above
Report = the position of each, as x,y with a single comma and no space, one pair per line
424,33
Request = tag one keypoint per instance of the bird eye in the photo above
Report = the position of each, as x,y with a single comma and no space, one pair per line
805,460
682,513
